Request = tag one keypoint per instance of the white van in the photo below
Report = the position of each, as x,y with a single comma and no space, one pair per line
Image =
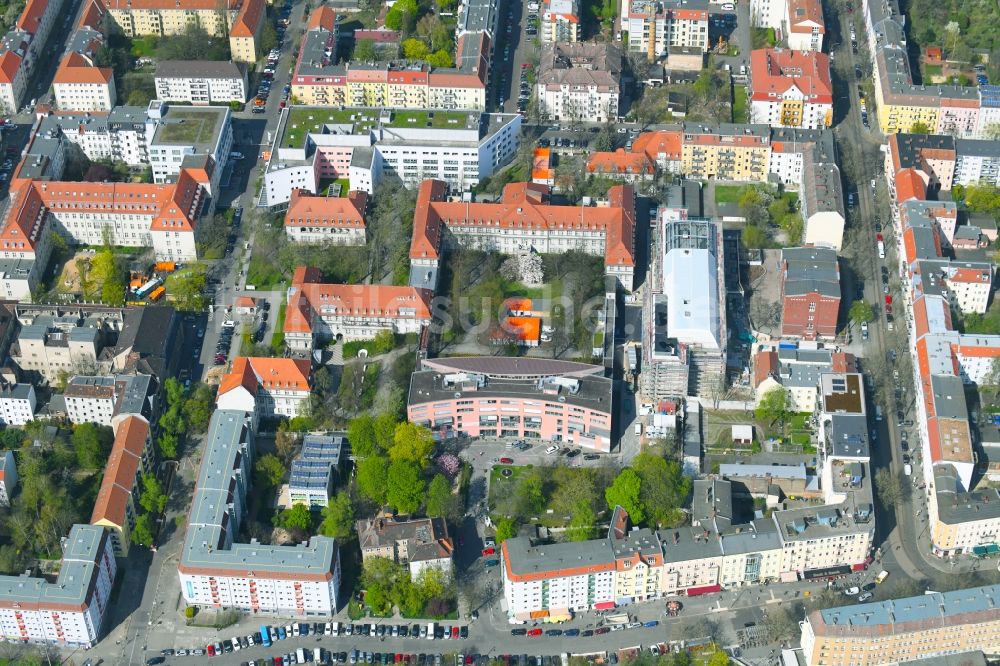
907,469
300,656
638,429
430,631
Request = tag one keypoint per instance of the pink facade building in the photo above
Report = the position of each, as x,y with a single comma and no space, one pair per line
522,398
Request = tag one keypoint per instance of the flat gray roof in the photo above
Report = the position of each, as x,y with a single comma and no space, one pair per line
198,69
904,615
573,558
811,270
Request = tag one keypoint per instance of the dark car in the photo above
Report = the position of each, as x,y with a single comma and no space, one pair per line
554,632
571,632
464,631
903,444
591,456
601,630
587,632
906,458
573,454
155,660
518,632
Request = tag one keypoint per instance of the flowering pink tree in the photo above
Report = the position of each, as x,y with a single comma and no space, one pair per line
449,465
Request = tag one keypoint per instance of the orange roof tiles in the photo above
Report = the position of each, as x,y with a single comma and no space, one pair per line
521,207
522,329
92,15
122,469
654,144
323,18
76,69
31,17
765,364
620,162
976,275
10,62
909,185
804,15
773,72
541,165
253,373
315,211
354,300
249,20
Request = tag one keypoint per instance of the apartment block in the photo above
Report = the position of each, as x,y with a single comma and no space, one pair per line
337,220
726,152
266,387
198,138
131,457
17,404
107,400
810,293
363,145
543,400
931,626
656,26
790,88
526,220
245,33
8,477
798,372
318,312
977,161
320,80
200,83
560,21
70,611
579,81
171,17
901,105
22,48
300,580
419,543
80,86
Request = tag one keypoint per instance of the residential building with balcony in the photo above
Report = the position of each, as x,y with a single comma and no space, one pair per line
560,21
810,293
108,399
23,48
533,399
8,477
790,88
164,18
337,220
17,404
656,26
200,83
215,571
69,611
315,469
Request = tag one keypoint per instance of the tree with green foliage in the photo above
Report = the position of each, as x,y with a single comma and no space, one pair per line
506,529
167,446
920,127
361,435
528,495
861,312
198,408
440,58
372,476
364,50
664,488
414,49
92,443
269,471
754,237
582,524
719,658
268,37
297,518
152,498
625,492
142,533
773,406
187,288
441,501
406,486
338,517
412,443
385,430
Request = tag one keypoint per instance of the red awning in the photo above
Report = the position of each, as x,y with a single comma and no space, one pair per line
706,589
604,605
859,567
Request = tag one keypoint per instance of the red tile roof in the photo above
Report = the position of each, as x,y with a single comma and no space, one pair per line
10,62
77,69
765,364
121,471
318,211
248,21
323,18
357,300
620,163
909,185
654,144
774,72
521,208
253,373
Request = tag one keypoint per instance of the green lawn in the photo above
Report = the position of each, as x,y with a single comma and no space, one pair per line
728,193
144,47
741,112
500,483
930,71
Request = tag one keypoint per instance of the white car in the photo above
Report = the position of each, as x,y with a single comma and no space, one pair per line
852,591
236,644
551,450
729,7
907,469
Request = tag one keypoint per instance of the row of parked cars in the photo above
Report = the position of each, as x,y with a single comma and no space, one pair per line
583,632
264,89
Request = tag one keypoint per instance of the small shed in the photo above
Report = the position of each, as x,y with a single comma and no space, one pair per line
933,55
743,435
245,305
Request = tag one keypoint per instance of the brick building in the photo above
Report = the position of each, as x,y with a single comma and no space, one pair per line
810,292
